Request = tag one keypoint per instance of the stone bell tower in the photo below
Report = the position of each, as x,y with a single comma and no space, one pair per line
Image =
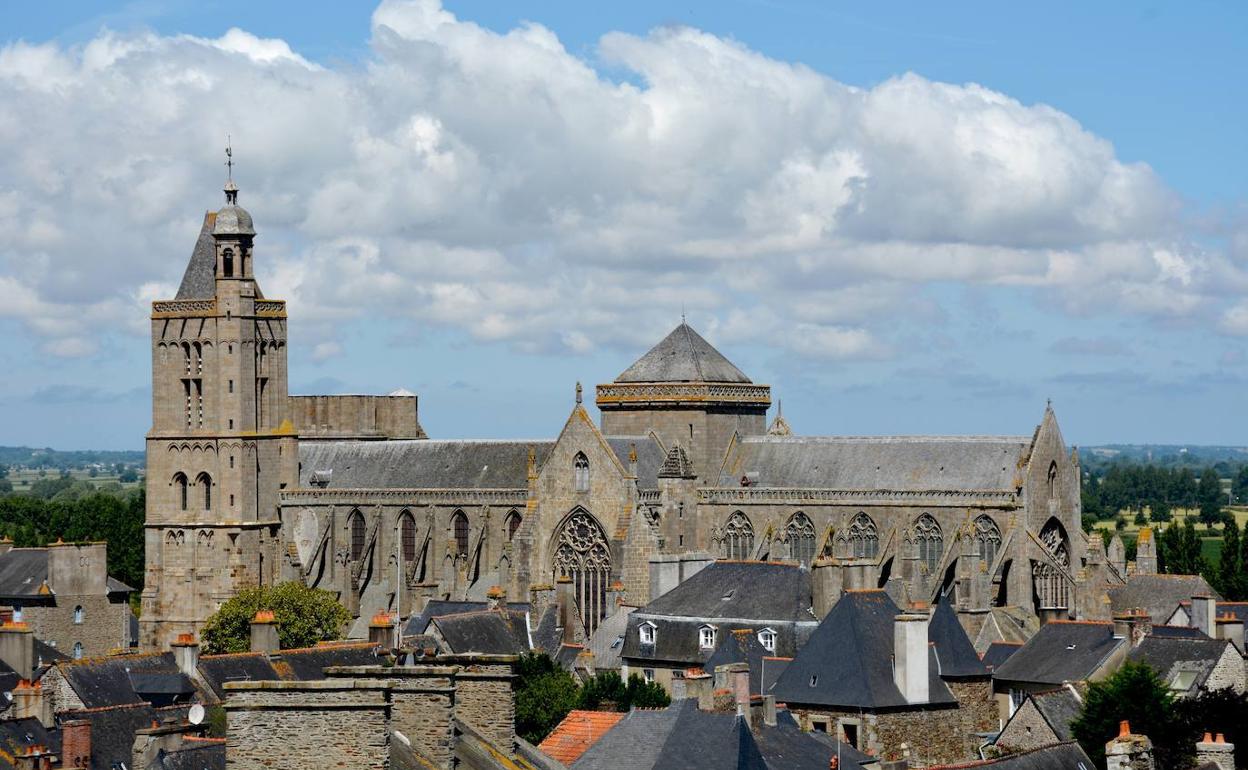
222,444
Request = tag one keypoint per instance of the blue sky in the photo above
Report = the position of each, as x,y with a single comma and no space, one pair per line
451,210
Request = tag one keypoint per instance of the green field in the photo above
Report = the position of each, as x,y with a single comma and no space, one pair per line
1210,537
22,478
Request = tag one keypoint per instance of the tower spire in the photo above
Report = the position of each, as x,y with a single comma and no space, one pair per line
231,190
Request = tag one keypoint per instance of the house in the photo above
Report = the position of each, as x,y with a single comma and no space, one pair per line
684,627
1214,618
1043,719
882,679
64,594
1062,755
1191,666
1062,651
578,731
1157,595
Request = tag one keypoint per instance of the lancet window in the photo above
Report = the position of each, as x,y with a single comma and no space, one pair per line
582,553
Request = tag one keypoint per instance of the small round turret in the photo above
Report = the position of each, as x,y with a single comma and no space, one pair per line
233,219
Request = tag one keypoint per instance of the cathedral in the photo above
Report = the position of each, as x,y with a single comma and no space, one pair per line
248,485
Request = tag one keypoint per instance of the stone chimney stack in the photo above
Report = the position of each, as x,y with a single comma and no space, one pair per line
1128,751
186,654
1145,553
30,702
495,598
17,648
1133,625
910,661
76,744
1204,614
1217,751
381,630
1231,628
264,632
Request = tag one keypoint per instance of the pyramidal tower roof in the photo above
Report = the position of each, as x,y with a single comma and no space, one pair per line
683,356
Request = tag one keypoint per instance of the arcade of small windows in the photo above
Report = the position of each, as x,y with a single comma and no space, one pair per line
738,537
930,542
580,468
800,532
864,538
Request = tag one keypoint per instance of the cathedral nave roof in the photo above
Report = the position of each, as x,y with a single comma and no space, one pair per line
420,464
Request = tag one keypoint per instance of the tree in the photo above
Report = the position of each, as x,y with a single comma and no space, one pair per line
304,617
1210,497
1230,564
1218,711
545,693
607,691
1179,550
1239,487
1136,694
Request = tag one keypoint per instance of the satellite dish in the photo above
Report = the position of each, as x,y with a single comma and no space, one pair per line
196,714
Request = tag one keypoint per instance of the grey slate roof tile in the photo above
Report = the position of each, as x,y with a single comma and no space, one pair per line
1158,595
891,463
683,356
193,755
1060,708
420,464
16,735
109,681
1060,756
848,660
199,281
749,590
216,670
998,653
495,632
112,729
22,572
1061,651
1169,656
953,649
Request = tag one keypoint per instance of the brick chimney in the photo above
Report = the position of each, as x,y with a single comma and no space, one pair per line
76,744
1204,612
1215,750
910,661
1128,751
264,632
30,702
381,630
36,757
186,654
17,648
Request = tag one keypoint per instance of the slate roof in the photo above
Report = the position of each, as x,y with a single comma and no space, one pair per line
216,670
1060,756
1158,595
1177,632
577,732
435,607
195,754
200,280
22,572
18,734
681,736
1061,651
956,656
306,664
998,653
113,728
421,463
740,646
650,457
750,590
494,632
112,681
683,356
892,463
1060,708
1169,656
607,641
848,661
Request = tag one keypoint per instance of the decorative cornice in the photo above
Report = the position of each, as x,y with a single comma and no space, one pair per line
271,308
184,307
618,393
864,497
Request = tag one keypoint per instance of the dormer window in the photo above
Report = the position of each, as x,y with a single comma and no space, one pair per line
767,638
706,638
647,633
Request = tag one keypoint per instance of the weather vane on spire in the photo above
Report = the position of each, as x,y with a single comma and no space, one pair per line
231,191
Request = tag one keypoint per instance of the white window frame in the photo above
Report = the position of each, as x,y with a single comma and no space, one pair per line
647,633
79,615
706,637
765,635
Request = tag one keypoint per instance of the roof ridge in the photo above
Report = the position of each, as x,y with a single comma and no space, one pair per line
693,351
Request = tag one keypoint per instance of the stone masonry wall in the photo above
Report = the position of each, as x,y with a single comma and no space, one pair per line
104,627
485,699
978,707
1227,672
1027,729
930,736
307,725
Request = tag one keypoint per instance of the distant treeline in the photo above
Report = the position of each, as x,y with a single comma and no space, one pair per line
79,510
1124,486
32,457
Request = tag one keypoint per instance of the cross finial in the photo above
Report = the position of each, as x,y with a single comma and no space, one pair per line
231,191
578,392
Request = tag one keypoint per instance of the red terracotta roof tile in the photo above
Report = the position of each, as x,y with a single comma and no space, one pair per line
577,732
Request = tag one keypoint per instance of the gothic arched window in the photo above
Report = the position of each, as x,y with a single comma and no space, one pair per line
1048,575
407,535
864,538
180,485
227,263
930,542
459,525
800,532
581,553
580,467
1052,480
205,481
355,522
987,539
738,536
512,524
